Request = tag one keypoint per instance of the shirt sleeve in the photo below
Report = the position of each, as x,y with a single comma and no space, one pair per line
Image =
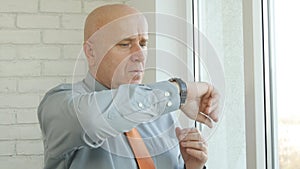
107,113
111,112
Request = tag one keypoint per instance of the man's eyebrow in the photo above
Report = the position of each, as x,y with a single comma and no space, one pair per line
128,39
131,39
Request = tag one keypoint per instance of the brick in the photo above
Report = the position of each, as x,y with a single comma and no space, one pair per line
7,116
20,68
34,147
91,5
7,21
64,68
73,21
19,6
8,132
7,148
25,116
37,21
38,84
29,132
7,52
63,37
19,101
15,162
8,85
20,132
20,36
72,51
39,52
66,6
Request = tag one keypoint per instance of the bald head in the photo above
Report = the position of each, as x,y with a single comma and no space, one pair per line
104,15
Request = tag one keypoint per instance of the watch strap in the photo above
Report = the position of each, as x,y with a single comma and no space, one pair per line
182,89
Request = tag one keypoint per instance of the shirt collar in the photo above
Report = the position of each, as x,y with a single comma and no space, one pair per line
93,84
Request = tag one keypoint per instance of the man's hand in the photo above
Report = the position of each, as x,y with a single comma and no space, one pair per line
202,103
193,148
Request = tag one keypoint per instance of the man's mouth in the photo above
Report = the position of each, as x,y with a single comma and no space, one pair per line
137,71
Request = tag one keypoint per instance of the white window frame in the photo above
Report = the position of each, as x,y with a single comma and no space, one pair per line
259,74
270,85
260,102
254,86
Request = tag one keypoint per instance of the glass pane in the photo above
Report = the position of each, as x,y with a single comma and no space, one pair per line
220,23
286,15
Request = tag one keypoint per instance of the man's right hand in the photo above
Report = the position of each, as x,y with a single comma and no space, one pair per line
202,103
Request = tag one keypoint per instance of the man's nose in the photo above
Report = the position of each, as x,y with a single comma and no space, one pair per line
138,54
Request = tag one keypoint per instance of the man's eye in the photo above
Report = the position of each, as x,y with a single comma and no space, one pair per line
143,44
124,45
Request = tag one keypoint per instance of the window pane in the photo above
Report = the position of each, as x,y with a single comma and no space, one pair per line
220,21
287,69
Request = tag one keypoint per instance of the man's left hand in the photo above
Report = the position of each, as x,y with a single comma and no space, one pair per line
193,147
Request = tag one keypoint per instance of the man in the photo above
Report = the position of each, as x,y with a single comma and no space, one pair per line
98,122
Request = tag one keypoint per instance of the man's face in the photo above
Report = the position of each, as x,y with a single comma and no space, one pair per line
119,51
124,63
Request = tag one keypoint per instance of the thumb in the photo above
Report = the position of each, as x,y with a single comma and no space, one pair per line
178,131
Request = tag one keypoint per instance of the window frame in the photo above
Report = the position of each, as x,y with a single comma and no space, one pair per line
259,74
256,147
270,85
260,100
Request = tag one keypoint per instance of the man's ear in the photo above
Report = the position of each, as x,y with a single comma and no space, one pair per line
89,53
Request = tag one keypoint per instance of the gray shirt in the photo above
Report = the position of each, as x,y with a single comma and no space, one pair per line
83,125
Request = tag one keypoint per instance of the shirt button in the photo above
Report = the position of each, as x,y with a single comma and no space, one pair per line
169,103
141,105
167,94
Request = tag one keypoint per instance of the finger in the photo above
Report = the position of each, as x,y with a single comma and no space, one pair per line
182,133
209,91
197,154
206,103
194,145
189,130
193,137
204,119
211,108
215,94
215,115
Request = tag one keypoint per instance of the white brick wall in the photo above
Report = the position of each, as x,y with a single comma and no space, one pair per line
20,36
62,37
7,52
7,21
38,52
11,6
65,6
37,21
73,21
39,44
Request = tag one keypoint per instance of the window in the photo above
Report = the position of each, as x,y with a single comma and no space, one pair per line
220,25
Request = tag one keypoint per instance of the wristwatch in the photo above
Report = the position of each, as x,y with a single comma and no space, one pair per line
182,89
